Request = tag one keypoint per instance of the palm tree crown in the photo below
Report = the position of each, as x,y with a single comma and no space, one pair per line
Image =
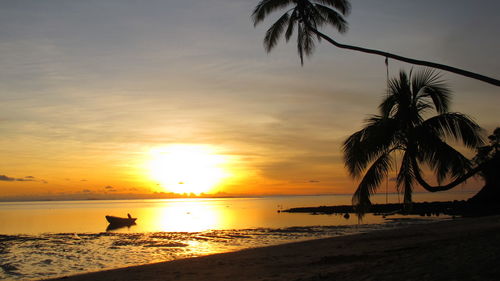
303,15
310,15
401,126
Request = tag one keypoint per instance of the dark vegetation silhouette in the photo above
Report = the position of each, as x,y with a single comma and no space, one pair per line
400,128
488,158
307,16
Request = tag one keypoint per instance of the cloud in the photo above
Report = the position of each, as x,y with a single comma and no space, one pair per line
86,191
110,188
7,178
26,178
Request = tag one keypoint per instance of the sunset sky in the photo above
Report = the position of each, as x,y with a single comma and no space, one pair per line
96,94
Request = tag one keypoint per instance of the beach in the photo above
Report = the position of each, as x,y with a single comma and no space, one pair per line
460,249
43,240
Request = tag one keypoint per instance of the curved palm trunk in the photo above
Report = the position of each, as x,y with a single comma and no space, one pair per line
450,185
486,201
409,60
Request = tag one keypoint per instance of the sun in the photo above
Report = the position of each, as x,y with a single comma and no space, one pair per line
182,168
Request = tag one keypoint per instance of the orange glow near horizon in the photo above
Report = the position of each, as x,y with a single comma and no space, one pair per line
182,168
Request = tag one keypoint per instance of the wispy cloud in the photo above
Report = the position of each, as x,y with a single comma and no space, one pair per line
26,178
7,178
110,188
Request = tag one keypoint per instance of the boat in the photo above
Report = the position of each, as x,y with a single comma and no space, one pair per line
118,221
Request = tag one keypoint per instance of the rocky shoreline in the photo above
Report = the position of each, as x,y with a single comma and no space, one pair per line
450,208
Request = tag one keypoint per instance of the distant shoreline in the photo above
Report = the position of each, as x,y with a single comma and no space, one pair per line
450,208
180,196
117,199
207,196
462,249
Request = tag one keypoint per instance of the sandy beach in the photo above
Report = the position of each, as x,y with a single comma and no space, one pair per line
462,249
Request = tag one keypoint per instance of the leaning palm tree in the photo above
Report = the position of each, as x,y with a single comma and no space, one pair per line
307,16
401,127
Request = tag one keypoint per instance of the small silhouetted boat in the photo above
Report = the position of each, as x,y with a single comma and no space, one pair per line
117,221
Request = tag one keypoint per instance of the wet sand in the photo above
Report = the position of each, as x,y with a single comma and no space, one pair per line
462,249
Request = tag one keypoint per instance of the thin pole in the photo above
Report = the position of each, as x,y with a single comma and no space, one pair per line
387,172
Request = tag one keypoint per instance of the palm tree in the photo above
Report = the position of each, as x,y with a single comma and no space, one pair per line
401,127
309,15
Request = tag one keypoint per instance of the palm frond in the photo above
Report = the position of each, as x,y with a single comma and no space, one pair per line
342,6
387,106
362,147
274,32
332,17
291,25
404,94
457,126
423,106
427,83
312,18
265,7
441,157
305,42
370,182
300,42
308,41
400,93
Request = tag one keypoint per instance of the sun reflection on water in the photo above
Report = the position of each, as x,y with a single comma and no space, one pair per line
186,215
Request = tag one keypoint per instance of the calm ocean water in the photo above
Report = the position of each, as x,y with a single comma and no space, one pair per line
48,239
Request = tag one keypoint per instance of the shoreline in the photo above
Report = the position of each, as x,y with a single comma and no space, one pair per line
461,249
436,208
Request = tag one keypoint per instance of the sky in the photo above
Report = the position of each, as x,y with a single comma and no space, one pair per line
92,92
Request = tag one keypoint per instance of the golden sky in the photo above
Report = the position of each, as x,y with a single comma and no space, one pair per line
91,90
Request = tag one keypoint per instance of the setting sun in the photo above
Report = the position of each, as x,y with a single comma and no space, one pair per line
184,168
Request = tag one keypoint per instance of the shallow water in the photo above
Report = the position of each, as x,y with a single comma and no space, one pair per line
48,239
31,257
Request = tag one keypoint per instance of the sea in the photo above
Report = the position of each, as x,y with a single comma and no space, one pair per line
47,239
